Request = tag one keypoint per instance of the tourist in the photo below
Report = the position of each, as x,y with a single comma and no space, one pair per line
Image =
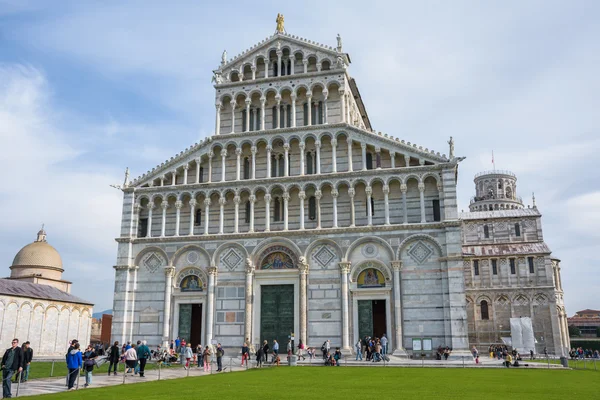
72,344
199,355
260,353
172,348
113,357
508,360
74,364
325,348
177,344
378,349
266,350
474,351
131,359
186,354
337,356
245,353
220,354
89,361
358,348
143,353
275,349
446,353
384,343
301,350
531,355
182,353
312,353
27,357
289,348
206,357
12,362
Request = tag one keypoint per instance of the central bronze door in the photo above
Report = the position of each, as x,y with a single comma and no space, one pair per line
277,314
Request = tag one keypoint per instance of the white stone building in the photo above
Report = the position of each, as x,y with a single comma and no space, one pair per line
36,304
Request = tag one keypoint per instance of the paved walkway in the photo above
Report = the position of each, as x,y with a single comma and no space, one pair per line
57,385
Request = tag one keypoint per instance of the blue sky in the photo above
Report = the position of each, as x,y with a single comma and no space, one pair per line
89,88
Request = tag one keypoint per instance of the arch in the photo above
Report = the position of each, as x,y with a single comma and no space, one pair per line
301,86
326,134
432,175
318,84
152,249
258,188
420,236
274,139
272,242
320,242
255,91
484,310
370,264
225,246
366,239
412,176
185,249
189,284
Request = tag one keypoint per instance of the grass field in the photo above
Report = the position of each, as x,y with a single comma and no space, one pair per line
360,383
42,369
588,364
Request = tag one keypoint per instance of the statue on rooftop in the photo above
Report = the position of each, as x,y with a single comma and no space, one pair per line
451,143
339,43
280,21
224,57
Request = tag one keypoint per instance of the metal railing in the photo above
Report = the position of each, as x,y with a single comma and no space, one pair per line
495,172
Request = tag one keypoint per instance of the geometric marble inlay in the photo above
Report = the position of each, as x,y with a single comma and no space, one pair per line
231,259
324,256
152,262
420,252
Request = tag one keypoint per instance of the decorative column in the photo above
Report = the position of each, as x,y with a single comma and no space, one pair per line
247,127
233,104
269,148
342,93
422,199
398,342
302,197
238,155
393,159
286,159
302,153
325,93
363,146
293,96
344,270
166,336
162,180
210,157
236,217
441,199
279,54
305,63
276,114
293,61
137,209
253,151
253,68
349,154
192,216
351,193
249,299
403,189
334,195
407,160
334,155
378,157
178,205
197,170
223,157
303,271
218,119
149,206
174,177
369,193
185,173
206,215
267,212
252,200
318,151
309,108
263,100
318,196
222,202
164,205
386,193
212,275
286,200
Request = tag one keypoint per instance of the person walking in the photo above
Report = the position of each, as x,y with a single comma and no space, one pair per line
74,364
275,349
72,344
89,361
27,357
206,356
12,362
260,354
245,353
131,359
301,350
220,354
199,355
265,350
289,348
384,343
187,355
143,353
177,343
358,348
113,357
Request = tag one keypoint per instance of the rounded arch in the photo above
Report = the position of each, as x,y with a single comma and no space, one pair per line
378,265
483,297
187,248
301,86
323,241
258,251
275,138
189,271
255,91
148,250
317,84
419,236
256,189
226,246
432,175
412,176
366,239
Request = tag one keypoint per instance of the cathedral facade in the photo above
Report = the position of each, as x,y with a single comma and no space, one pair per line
295,219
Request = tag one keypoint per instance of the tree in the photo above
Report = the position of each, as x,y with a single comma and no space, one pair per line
574,331
598,331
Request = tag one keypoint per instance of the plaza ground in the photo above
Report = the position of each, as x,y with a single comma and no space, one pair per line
361,383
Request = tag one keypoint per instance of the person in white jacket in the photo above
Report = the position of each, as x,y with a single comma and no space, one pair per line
131,359
188,354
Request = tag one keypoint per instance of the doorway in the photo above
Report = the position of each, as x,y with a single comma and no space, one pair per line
190,323
371,318
276,313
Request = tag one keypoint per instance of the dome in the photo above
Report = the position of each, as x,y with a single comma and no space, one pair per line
38,255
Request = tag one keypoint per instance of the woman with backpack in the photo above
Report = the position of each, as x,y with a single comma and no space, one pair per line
89,361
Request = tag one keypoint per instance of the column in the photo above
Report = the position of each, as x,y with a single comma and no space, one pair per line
162,180
302,154
293,61
247,127
263,100
236,217
325,107
174,177
206,215
233,103
185,173
393,159
253,68
197,170
403,189
407,160
256,126
279,54
269,148
309,108
223,157
318,196
363,146
344,270
347,99
422,199
252,199
267,212
212,274
334,155
303,271
349,154
293,96
163,228
238,163
166,336
286,159
267,63
302,197
318,148
276,114
441,199
253,151
137,209
369,193
305,63
334,195
249,296
210,157
192,216
178,205
398,342
351,193
150,206
286,200
218,120
378,157
386,192
222,202
343,104
319,66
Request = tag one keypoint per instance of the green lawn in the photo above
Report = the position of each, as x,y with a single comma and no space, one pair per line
360,383
42,369
577,364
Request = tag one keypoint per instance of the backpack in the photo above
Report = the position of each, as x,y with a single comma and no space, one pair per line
323,348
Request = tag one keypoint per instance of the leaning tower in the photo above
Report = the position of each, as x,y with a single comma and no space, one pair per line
495,190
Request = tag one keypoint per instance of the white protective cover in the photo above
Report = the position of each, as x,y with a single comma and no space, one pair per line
521,332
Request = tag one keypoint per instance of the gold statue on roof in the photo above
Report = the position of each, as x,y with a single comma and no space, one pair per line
280,21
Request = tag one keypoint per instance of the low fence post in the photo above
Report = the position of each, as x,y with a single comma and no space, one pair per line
159,365
463,360
77,384
124,373
229,364
52,369
18,383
